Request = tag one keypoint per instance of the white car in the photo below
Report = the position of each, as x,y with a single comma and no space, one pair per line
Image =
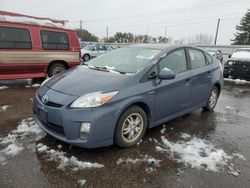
92,50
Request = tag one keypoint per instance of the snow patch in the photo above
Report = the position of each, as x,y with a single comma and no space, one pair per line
34,85
3,108
10,151
185,136
230,107
196,152
27,20
239,156
13,143
65,162
151,161
236,81
81,182
3,87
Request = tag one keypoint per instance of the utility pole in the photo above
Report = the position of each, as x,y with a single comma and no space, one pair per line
107,33
217,30
166,31
147,36
81,24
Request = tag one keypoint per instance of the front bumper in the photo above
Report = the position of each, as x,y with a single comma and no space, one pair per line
64,123
242,72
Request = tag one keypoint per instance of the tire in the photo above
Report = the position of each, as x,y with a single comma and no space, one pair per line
128,133
86,57
56,68
212,100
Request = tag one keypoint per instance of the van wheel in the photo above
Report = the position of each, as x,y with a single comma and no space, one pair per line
56,68
212,100
86,57
131,127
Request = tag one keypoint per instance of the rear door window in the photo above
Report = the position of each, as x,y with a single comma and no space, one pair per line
197,58
52,40
175,61
14,38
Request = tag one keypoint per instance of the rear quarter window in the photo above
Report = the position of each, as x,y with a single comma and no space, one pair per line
52,40
14,38
209,58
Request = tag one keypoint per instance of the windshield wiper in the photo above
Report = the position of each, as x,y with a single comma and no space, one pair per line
121,72
98,68
106,69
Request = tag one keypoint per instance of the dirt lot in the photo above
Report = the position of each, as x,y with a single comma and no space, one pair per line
197,150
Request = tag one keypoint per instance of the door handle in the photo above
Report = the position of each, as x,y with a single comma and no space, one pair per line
209,73
187,82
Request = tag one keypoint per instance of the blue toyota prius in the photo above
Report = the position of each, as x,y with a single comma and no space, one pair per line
114,98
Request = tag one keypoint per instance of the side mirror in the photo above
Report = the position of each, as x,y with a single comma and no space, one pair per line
166,74
230,55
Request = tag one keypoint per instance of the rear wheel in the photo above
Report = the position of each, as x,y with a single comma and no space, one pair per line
212,100
131,127
56,68
86,57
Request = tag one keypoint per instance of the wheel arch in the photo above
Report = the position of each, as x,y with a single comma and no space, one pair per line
57,61
218,86
142,104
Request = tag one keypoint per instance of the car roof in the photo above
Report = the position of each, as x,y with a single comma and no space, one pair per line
158,46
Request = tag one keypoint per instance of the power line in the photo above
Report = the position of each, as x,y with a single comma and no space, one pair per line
218,4
174,24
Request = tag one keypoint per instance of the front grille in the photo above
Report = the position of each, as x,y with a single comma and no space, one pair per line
50,103
54,127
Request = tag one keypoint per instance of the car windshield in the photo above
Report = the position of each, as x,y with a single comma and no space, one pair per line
88,47
125,60
241,53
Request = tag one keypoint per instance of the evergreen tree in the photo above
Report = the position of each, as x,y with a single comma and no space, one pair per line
242,36
86,36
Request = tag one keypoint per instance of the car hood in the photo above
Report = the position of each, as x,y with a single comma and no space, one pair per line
82,80
244,59
85,51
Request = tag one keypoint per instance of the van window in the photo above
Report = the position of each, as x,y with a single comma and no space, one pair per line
14,38
175,61
197,58
52,40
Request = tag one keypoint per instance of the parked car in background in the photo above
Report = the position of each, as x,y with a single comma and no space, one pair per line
114,98
238,65
216,53
92,51
32,47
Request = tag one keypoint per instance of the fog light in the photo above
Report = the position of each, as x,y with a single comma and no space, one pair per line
85,129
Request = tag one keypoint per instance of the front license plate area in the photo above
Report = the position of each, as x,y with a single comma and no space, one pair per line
43,115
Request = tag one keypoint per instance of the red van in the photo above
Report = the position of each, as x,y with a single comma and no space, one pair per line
32,47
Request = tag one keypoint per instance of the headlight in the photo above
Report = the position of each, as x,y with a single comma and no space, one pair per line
230,63
93,99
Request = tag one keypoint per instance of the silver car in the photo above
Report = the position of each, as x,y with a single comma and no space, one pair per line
92,50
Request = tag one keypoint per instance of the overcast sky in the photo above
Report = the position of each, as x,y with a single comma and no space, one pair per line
183,18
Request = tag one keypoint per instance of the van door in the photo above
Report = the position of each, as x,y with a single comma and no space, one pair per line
173,96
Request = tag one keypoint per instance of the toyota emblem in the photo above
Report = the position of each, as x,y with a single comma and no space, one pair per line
45,99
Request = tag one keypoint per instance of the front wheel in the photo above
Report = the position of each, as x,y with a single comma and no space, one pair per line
131,127
212,100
